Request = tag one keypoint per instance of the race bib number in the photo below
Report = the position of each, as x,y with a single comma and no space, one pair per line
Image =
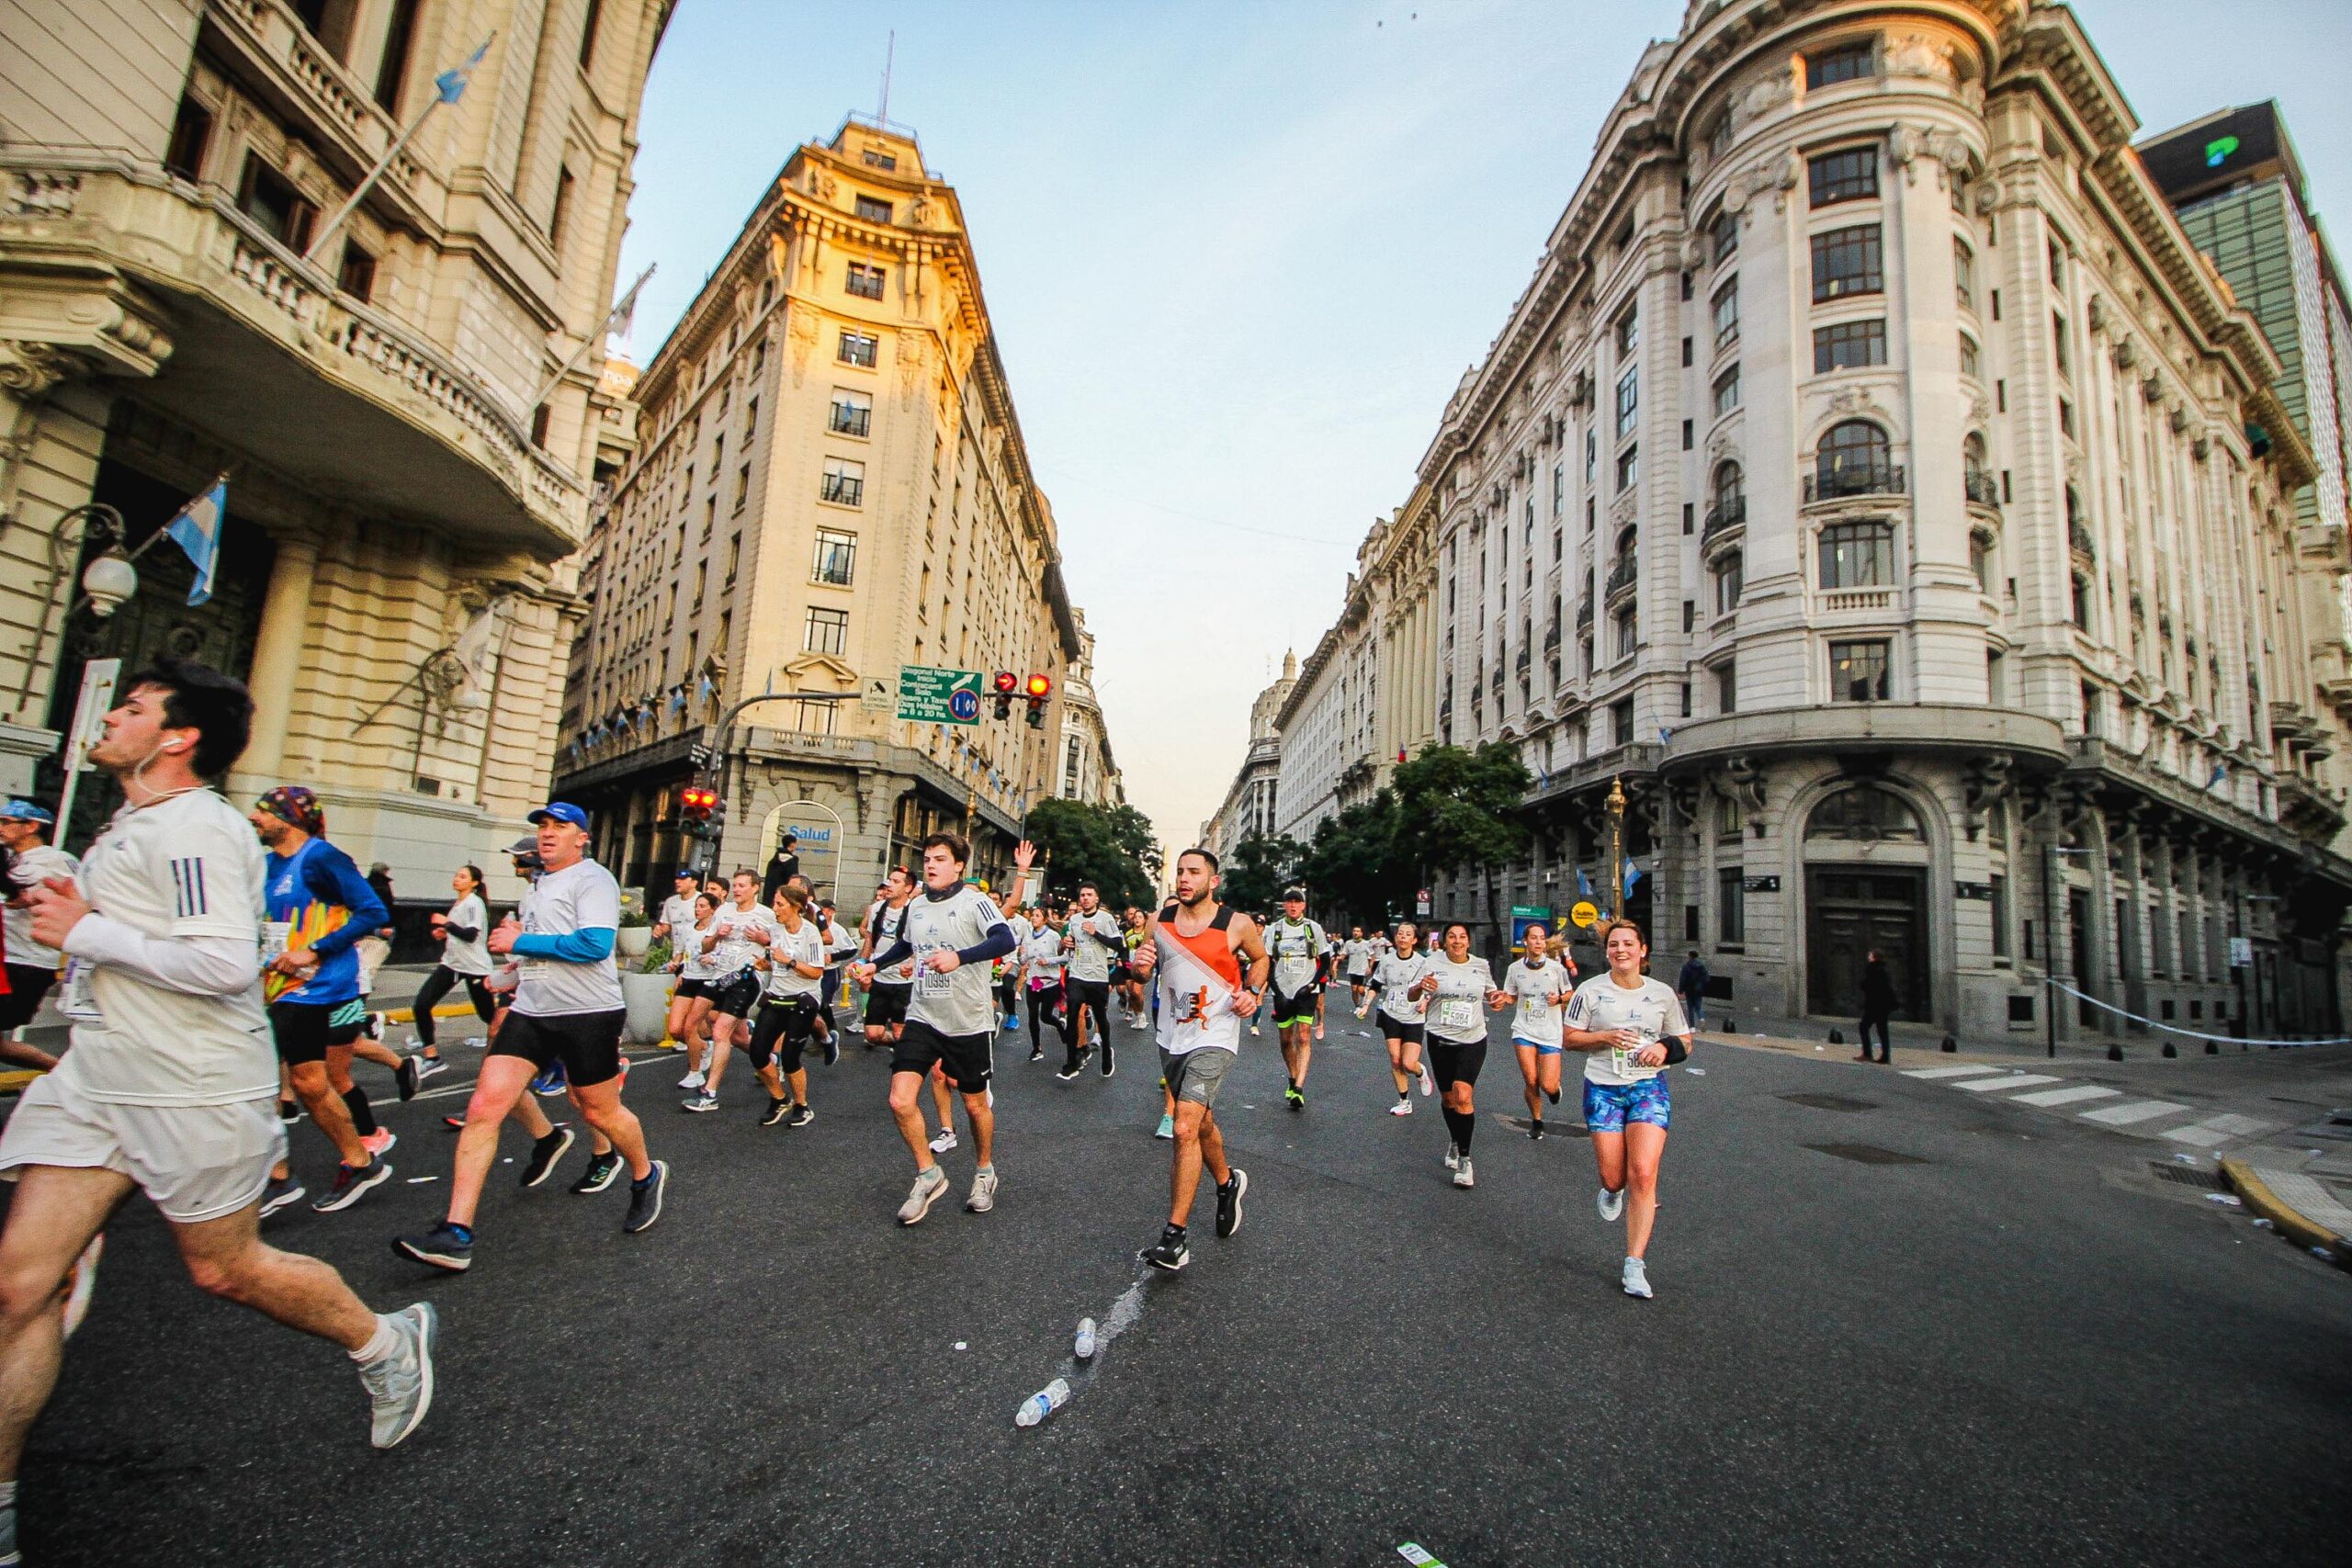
536,968
1535,1007
80,1003
1455,1014
1292,974
274,936
930,981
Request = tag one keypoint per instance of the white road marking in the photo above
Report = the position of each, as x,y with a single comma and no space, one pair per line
2218,1130
2133,1112
2022,1080
1946,1072
2067,1096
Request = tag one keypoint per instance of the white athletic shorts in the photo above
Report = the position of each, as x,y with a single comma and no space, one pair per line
196,1162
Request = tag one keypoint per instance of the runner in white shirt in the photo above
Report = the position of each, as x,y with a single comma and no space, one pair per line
1458,986
737,942
465,960
1357,954
788,1011
1044,988
675,919
1539,986
1092,943
690,999
1396,973
953,931
886,997
1632,1029
568,1009
32,964
1299,950
170,1084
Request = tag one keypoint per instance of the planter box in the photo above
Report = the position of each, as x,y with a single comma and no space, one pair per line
647,997
630,941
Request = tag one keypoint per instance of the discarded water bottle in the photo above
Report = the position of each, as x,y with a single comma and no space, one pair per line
1042,1403
1085,1338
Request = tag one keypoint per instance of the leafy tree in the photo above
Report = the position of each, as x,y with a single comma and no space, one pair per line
1113,847
1258,870
1353,868
1458,809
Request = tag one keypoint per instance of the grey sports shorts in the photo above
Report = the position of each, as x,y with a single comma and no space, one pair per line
1197,1075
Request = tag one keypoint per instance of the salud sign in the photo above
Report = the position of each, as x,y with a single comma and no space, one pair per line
938,696
1584,914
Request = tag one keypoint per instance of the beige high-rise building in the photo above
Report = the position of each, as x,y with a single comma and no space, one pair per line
830,482
1251,800
404,398
1087,771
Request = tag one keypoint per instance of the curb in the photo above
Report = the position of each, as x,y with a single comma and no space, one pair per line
2292,1223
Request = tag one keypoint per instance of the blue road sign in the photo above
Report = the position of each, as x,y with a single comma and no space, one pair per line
964,705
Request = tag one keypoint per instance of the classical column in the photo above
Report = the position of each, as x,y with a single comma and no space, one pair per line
277,651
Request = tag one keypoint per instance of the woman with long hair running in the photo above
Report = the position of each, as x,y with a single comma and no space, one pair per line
1459,987
1539,985
464,961
1632,1029
1394,975
690,1003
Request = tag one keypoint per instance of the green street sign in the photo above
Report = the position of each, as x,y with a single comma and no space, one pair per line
938,696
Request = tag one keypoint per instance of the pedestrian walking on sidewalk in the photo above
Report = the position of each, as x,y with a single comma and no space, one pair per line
1878,1008
1692,987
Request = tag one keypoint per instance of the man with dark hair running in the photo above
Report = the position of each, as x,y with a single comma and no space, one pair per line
1198,948
1090,939
1299,949
886,924
169,1085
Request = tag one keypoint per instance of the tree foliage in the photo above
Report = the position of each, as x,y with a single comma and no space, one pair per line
1113,847
1255,874
1459,809
1353,868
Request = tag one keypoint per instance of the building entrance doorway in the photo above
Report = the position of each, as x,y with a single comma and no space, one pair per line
1853,911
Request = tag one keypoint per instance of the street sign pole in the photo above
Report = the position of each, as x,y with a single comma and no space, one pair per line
98,677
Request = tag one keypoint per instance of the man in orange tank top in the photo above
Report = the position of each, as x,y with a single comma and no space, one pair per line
1196,950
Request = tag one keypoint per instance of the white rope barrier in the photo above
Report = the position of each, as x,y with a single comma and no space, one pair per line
2056,983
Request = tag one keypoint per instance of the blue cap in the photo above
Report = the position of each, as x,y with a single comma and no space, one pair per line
559,811
25,811
686,871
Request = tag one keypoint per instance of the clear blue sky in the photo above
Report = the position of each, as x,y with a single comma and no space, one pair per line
1239,254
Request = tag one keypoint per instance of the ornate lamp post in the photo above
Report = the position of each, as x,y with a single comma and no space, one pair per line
1615,807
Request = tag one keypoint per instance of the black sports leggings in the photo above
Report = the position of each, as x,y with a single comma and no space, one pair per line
1048,1000
438,984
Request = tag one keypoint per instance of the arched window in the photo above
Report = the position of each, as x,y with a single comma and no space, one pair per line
1730,485
2080,600
1854,458
1977,478
1866,813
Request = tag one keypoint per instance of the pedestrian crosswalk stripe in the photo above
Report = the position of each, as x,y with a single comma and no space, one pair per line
1946,1072
2218,1129
2021,1080
2133,1112
2067,1096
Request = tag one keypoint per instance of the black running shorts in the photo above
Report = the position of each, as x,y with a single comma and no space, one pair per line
587,1044
785,1027
1295,1006
305,1029
27,983
1452,1062
968,1060
887,1004
734,995
1095,994
1395,1028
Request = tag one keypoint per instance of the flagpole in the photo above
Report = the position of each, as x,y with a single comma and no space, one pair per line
626,307
441,96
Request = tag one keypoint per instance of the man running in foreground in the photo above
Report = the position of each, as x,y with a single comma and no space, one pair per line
568,1009
1197,948
170,1083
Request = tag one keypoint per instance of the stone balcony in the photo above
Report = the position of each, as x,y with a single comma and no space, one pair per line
119,267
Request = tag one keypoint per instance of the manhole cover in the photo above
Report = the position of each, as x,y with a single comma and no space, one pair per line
2190,1176
1866,1153
1831,1101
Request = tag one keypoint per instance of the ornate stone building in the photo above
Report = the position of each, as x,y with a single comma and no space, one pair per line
830,481
1251,800
1877,481
1087,770
405,401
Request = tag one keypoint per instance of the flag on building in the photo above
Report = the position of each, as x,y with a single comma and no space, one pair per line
196,530
450,86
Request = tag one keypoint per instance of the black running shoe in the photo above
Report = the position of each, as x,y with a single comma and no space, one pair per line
1553,1094
833,1047
1168,1252
1067,1073
1229,1202
288,1110
1037,1053
408,1075
546,1151
350,1185
1110,1062
645,1199
283,1191
1535,1130
1293,1098
440,1247
777,1109
599,1174
801,1116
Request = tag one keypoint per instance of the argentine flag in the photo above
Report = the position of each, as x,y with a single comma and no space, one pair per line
196,530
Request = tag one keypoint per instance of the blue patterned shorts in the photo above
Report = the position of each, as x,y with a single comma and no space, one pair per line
1608,1106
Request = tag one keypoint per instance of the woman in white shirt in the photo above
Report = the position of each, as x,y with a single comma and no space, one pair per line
1395,973
690,1002
1538,985
1457,986
1632,1029
464,961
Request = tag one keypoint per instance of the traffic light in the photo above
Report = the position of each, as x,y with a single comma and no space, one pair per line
696,803
1006,684
1040,688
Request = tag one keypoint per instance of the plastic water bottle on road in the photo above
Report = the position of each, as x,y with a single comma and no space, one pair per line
1042,1403
1085,1339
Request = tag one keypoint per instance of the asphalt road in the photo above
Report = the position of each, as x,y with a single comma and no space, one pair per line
2018,1349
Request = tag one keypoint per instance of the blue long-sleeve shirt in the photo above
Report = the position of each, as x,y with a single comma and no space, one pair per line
586,946
325,904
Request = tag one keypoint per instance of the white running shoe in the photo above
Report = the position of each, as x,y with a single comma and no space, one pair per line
929,1185
1464,1176
1253,1031
693,1080
983,1195
1611,1204
1318,1032
1452,1157
1636,1280
944,1141
1429,1084
1402,1108
479,1041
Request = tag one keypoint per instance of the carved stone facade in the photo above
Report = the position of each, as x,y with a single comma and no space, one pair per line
1875,479
404,398
1252,799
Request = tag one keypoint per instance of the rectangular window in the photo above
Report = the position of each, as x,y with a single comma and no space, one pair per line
1629,334
559,215
1686,353
1621,722
1970,365
1726,392
1848,346
2066,419
852,412
843,483
2000,912
1846,262
356,276
836,557
1629,466
1727,687
1559,487
2058,347
751,421
1727,315
191,134
828,631
2057,267
1689,619
1629,402
1849,175
873,210
1729,579
1719,136
1723,237
391,69
1591,449
1686,423
858,348
270,200
1858,671
743,486
864,281
1730,906
1963,274
1857,555
1846,62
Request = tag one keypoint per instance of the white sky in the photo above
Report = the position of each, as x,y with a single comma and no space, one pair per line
1239,255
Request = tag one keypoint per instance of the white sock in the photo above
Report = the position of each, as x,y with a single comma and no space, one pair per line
1633,1266
386,1340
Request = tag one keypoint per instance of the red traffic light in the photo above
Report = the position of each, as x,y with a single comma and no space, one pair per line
1007,681
1040,686
696,802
